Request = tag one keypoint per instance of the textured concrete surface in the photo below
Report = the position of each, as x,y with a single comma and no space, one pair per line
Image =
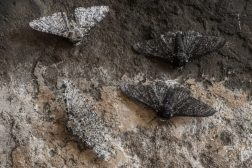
34,66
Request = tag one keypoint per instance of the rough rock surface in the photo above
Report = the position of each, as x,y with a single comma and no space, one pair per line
34,65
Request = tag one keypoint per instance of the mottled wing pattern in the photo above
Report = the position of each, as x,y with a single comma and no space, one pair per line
54,24
88,17
197,44
162,46
191,44
161,96
86,124
184,104
150,95
150,48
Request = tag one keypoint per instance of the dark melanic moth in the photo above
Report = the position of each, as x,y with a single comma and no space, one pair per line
74,28
179,47
168,100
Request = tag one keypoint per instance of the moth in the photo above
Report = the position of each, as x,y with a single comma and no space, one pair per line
168,100
73,28
84,123
179,47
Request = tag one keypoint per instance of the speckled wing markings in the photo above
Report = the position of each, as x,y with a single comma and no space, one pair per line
89,17
162,46
184,104
179,47
168,100
143,93
86,124
196,44
54,24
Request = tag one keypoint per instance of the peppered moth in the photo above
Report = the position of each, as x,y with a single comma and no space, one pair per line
168,100
84,123
179,47
75,29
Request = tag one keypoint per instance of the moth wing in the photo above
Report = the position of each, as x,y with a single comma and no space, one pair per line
88,17
150,95
184,104
196,44
162,46
86,124
54,24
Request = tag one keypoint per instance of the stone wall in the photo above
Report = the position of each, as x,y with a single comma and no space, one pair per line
34,67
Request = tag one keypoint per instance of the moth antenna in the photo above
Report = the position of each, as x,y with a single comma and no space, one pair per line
77,21
65,20
154,118
170,123
65,5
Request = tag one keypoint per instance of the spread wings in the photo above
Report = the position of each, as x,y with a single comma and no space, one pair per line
58,23
165,46
159,95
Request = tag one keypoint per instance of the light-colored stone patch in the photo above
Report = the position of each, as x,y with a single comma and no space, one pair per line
38,136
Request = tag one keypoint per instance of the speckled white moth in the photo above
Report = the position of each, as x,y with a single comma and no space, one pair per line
75,29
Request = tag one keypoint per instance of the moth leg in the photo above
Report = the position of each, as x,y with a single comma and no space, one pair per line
153,119
171,124
180,56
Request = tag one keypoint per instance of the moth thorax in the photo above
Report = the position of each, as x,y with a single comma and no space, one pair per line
181,58
165,112
75,35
